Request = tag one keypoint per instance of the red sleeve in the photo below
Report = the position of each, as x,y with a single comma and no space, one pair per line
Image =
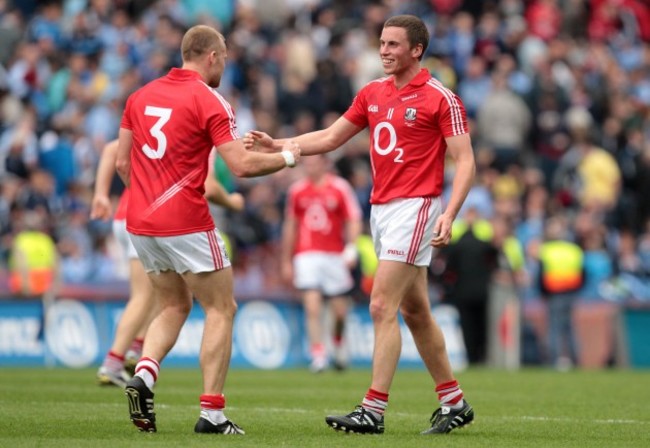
217,116
126,115
357,113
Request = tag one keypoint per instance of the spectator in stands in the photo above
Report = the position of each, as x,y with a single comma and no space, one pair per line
475,85
33,262
599,267
561,276
597,176
471,259
19,145
544,18
504,121
632,273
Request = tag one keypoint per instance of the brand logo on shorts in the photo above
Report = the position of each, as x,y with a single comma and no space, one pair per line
401,253
410,113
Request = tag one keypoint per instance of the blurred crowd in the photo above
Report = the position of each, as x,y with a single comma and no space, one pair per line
557,93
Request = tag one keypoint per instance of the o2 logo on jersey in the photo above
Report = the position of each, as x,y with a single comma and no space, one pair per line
392,142
163,114
316,218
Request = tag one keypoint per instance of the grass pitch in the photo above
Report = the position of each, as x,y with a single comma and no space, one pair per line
286,408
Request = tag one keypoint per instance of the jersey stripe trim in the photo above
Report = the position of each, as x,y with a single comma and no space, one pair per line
215,239
212,251
229,111
423,215
420,231
170,193
456,115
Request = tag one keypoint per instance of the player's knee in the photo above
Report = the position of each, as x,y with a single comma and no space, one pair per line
415,317
232,308
229,309
380,310
181,308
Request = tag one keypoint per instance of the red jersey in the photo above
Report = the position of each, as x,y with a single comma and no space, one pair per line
321,212
175,120
408,128
120,213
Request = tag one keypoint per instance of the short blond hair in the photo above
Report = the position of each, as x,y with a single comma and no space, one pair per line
199,40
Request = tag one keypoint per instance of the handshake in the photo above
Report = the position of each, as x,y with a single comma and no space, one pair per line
261,142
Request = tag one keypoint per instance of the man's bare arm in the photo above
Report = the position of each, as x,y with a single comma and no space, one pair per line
243,163
217,194
311,143
459,147
289,231
101,205
123,156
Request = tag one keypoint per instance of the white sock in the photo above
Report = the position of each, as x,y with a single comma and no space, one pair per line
148,369
147,377
215,416
458,405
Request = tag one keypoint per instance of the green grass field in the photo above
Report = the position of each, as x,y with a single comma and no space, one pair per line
531,408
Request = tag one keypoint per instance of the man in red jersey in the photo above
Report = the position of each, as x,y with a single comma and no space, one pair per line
414,121
168,129
322,223
119,363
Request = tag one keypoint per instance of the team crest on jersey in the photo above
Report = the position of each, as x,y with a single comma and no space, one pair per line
410,114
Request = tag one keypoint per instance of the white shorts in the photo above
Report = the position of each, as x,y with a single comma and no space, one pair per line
323,271
194,252
122,237
402,229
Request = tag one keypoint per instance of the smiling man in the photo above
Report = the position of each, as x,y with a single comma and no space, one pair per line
414,122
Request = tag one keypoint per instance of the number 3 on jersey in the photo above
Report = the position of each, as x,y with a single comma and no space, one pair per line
156,132
392,142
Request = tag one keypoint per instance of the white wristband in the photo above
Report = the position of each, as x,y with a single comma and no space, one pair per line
289,159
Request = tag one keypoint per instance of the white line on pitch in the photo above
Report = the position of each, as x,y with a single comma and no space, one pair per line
525,418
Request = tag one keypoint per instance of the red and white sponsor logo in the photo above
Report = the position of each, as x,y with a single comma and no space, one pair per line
396,252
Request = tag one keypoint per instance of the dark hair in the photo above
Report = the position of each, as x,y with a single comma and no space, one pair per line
199,40
416,30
